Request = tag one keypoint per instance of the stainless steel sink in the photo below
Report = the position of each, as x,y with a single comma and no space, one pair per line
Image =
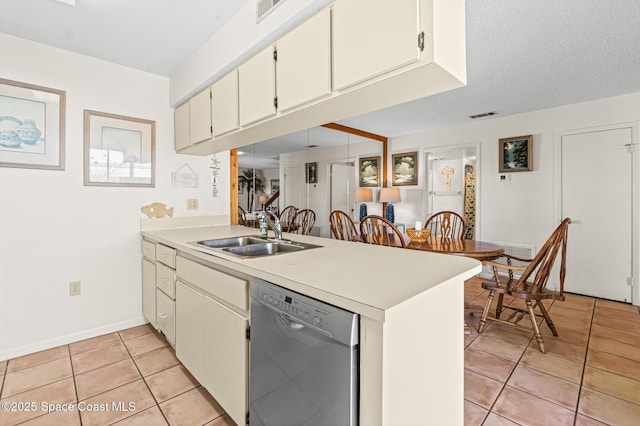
266,249
252,246
231,242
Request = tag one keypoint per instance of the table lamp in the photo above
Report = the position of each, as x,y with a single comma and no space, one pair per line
262,199
363,195
390,195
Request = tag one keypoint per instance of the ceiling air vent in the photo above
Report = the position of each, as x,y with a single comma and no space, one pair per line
484,114
264,7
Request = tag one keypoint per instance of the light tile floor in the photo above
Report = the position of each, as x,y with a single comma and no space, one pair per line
131,377
590,375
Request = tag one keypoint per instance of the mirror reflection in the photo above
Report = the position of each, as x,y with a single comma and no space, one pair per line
304,176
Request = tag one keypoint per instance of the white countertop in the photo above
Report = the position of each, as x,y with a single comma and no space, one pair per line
366,279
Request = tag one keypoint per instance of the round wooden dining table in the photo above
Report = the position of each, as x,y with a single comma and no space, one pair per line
479,250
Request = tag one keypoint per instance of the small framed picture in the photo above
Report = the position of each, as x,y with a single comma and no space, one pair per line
405,168
312,172
32,126
275,186
515,154
369,171
118,150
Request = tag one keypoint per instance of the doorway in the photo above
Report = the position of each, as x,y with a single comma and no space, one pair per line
342,187
599,192
292,187
451,183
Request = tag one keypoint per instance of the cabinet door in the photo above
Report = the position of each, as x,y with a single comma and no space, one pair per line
227,360
371,37
257,87
304,62
182,133
149,291
190,329
200,116
166,316
224,104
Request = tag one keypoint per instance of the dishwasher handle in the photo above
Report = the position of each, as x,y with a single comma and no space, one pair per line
286,320
294,325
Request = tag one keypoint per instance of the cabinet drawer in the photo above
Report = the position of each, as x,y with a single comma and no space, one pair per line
166,316
166,280
223,286
149,250
166,255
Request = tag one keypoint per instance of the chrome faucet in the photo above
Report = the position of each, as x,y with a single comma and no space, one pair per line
276,226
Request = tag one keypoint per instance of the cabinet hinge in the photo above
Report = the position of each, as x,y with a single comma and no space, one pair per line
248,333
275,54
631,148
421,41
631,281
275,102
247,418
211,130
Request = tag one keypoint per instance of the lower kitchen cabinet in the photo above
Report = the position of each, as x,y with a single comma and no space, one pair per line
149,291
190,329
212,319
226,354
166,316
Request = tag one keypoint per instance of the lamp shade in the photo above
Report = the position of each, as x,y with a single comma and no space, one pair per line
262,198
390,195
363,195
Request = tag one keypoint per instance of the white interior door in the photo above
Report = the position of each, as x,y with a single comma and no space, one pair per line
342,187
293,179
597,193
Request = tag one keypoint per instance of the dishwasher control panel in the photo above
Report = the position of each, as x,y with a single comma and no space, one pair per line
335,322
295,307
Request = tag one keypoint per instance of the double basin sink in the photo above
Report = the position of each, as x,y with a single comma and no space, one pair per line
252,246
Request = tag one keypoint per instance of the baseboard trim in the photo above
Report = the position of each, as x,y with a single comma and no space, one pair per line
70,338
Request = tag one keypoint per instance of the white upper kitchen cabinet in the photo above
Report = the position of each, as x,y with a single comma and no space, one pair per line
192,121
200,116
304,62
257,87
224,104
181,126
372,37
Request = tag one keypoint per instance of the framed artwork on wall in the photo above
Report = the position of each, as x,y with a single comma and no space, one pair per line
275,186
369,171
405,168
118,150
515,154
312,172
32,126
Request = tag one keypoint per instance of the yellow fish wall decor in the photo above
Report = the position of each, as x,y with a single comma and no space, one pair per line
157,210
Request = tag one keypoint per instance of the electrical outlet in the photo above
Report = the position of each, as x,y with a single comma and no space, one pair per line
192,204
74,288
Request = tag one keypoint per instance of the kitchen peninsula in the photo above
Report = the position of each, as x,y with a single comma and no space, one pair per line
410,305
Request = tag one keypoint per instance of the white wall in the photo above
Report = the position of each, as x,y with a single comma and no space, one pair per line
54,230
522,209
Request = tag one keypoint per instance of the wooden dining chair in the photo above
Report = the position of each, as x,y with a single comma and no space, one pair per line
303,222
446,224
286,217
378,230
530,286
242,216
342,227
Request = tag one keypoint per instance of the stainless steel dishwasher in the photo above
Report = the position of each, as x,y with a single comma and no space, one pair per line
304,360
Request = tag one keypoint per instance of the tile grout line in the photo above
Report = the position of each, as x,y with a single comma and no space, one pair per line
144,380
